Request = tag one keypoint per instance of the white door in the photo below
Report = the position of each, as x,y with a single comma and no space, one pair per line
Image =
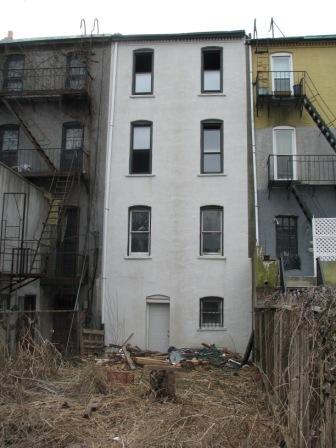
158,326
282,74
284,149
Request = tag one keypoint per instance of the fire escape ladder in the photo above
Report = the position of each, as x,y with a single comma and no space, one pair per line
305,209
321,124
320,113
59,191
26,126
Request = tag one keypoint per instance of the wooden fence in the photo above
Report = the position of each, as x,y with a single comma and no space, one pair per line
298,369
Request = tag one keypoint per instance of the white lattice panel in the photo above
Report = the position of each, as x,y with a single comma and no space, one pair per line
324,238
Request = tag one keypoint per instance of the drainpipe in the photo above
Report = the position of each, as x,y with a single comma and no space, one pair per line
256,207
109,141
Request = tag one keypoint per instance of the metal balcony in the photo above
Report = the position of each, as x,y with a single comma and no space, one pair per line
284,170
20,259
45,82
280,88
29,163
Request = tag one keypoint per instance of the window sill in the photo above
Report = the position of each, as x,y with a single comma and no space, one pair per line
211,257
137,257
212,94
211,175
212,329
143,95
140,175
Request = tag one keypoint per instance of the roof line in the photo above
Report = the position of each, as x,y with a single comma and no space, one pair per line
236,34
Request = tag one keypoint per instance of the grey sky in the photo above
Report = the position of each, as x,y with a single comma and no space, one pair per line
29,18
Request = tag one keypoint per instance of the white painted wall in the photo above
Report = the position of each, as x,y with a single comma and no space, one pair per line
175,193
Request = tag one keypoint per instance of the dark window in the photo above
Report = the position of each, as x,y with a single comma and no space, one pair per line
143,72
287,241
141,148
13,77
76,71
211,230
139,230
9,143
212,70
212,146
72,146
211,312
4,305
67,243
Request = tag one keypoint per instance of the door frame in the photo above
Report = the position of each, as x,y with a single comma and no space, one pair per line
158,299
277,128
291,80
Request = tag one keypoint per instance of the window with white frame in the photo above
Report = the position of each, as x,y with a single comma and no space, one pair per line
141,147
211,312
212,69
143,72
139,230
211,230
284,150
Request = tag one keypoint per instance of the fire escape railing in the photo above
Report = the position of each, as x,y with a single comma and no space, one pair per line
28,161
18,82
302,169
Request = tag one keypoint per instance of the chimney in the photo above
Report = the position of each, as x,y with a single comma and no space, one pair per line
10,35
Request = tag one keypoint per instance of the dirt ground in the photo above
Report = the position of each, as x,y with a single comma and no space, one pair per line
43,405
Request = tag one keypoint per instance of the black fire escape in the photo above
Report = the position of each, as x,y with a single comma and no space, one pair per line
53,256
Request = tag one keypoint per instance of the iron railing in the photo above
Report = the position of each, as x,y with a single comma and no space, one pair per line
281,83
20,260
29,161
302,169
65,264
44,81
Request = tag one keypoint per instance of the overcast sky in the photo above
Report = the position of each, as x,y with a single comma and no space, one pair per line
36,18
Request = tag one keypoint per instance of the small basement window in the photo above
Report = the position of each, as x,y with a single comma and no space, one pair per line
211,312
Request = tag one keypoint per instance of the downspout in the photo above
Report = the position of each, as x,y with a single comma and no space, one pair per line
256,206
109,141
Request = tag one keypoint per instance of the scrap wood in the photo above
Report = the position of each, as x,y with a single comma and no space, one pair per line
143,361
128,358
93,405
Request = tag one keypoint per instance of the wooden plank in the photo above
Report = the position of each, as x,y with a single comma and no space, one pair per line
91,331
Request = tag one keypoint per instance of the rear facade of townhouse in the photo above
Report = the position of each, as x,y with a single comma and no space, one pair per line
176,263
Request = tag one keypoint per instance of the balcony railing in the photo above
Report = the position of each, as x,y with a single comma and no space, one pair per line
29,162
44,81
281,83
21,259
302,169
64,264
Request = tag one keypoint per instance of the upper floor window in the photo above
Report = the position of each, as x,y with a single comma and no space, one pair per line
211,312
72,146
284,150
13,76
212,146
211,230
9,137
139,230
76,71
73,136
141,147
212,69
143,72
282,73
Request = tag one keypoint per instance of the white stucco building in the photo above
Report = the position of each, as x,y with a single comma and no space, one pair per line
176,266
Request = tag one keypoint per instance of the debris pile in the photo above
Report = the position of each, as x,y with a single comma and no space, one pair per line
187,358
